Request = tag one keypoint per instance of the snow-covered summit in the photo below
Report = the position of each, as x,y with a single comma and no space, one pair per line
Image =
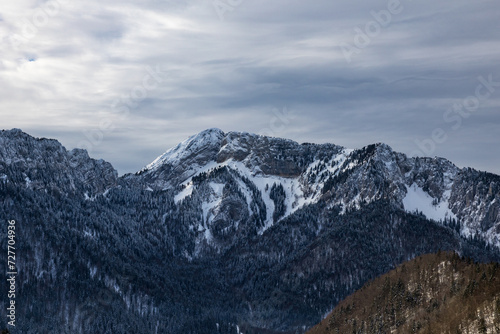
259,154
194,145
305,174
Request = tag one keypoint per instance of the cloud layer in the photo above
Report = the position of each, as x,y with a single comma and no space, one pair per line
129,79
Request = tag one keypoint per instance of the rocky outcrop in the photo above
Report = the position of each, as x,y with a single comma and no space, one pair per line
44,164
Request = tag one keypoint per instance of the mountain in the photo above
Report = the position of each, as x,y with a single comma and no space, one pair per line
44,164
434,293
343,178
226,232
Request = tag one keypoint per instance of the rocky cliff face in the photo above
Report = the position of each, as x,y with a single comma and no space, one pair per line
44,164
226,230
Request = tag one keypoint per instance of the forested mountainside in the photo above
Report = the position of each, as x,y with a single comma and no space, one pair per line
434,293
226,232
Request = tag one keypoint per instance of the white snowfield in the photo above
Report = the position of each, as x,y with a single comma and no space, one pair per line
293,187
417,199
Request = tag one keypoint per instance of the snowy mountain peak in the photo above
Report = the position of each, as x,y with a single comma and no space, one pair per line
192,147
260,154
276,177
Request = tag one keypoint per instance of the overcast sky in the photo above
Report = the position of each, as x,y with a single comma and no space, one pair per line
129,79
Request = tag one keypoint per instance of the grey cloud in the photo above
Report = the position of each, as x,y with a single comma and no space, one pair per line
232,73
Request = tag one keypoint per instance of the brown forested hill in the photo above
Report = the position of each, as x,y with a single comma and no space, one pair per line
434,293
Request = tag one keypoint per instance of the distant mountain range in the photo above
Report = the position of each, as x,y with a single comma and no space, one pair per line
226,232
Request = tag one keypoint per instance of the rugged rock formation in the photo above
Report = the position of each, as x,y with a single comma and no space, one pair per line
225,231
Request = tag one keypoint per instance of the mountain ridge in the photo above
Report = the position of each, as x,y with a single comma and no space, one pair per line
306,173
265,234
389,162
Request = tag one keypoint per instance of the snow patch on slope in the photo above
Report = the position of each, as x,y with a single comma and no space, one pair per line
28,181
293,190
187,191
261,182
293,187
417,199
295,197
323,172
339,160
213,203
210,209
